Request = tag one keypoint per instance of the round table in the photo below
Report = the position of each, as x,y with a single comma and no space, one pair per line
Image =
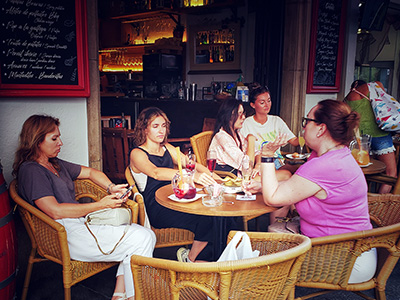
227,209
239,208
376,167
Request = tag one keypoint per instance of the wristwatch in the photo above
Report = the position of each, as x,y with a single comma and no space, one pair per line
267,159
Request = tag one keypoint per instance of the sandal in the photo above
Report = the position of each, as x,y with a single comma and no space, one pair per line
122,296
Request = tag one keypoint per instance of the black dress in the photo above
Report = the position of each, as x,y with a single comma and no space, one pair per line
162,217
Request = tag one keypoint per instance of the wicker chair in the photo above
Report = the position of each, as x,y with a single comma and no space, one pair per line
270,276
166,237
49,238
329,263
200,143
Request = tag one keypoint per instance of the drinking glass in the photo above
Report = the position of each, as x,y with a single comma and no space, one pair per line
247,169
301,141
211,160
190,166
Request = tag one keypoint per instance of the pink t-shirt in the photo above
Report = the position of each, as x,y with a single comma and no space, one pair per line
346,207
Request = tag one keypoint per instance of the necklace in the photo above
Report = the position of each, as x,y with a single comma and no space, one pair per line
329,149
50,167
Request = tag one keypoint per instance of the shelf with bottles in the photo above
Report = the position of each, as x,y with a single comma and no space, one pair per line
214,47
121,59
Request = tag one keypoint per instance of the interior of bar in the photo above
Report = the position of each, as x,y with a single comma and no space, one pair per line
199,149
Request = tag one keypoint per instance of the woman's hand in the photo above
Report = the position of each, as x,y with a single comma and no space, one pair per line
269,148
118,189
252,188
112,201
203,178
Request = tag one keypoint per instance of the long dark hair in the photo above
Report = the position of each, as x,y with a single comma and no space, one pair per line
227,115
32,135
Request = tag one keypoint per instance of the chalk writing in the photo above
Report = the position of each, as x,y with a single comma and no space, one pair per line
38,42
327,42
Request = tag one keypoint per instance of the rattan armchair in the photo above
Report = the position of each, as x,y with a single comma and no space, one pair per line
269,276
200,144
49,238
166,237
329,263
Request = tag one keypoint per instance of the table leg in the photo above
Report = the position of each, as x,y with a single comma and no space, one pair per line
222,227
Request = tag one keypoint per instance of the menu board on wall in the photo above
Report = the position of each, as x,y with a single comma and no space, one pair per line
326,46
43,48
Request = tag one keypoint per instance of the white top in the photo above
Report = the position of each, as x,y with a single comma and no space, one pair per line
265,132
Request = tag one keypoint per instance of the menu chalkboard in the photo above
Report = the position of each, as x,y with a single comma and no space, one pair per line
43,48
326,46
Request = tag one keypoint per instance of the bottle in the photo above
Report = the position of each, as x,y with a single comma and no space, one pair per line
123,121
181,91
242,91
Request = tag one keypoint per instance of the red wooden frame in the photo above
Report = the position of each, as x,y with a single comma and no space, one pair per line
82,89
311,88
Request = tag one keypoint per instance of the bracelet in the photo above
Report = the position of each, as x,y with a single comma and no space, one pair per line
267,159
109,186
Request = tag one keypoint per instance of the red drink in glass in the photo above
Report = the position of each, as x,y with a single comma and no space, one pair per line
211,163
190,166
186,194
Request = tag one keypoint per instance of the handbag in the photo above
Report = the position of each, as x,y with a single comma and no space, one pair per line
385,107
109,216
285,225
239,248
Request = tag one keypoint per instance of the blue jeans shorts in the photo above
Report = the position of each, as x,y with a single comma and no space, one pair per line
382,145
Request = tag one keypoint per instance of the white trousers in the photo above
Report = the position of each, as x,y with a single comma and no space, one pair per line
82,245
364,267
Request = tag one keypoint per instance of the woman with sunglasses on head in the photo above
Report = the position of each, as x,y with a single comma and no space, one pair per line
329,190
263,126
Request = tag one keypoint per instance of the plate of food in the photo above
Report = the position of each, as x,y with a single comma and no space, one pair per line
296,155
232,185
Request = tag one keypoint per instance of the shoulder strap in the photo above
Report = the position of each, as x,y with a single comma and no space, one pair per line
358,92
143,150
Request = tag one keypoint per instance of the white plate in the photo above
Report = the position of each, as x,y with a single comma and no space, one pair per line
301,156
232,189
183,200
364,166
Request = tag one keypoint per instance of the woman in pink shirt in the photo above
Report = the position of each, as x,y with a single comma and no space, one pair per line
329,190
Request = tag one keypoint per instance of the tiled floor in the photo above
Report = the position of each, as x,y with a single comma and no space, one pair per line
46,281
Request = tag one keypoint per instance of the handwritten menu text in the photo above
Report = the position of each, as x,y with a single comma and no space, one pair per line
38,42
327,43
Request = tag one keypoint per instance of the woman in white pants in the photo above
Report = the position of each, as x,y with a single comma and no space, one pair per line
47,182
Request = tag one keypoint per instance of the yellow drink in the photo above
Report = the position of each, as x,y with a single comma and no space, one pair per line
361,156
301,141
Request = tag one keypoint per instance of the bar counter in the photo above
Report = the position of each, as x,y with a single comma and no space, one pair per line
186,116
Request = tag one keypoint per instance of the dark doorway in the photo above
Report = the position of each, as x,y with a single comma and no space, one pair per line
268,47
